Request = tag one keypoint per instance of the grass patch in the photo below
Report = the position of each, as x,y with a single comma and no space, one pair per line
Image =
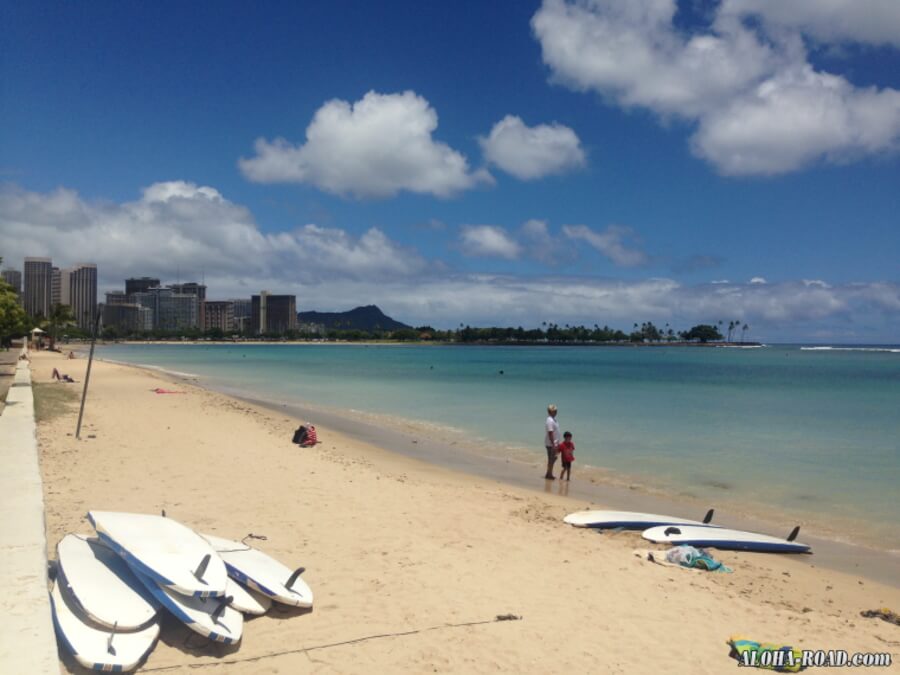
53,400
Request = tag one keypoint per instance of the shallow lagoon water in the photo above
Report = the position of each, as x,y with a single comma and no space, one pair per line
812,433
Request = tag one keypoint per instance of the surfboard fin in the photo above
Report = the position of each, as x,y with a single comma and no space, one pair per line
672,530
708,517
201,568
794,533
291,579
220,610
109,645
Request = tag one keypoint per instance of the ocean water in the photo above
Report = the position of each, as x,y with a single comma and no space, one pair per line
812,434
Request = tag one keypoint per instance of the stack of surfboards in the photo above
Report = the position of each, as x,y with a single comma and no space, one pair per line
680,531
109,588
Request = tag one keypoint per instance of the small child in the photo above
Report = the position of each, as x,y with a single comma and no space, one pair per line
567,450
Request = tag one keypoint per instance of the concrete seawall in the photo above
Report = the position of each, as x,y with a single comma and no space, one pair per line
27,641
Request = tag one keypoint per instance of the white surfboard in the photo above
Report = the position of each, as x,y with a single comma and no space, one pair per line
96,648
164,550
629,520
246,600
210,617
718,537
262,573
101,584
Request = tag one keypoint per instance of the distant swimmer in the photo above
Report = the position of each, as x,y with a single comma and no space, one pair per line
501,372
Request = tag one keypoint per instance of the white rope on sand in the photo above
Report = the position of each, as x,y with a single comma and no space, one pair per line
250,659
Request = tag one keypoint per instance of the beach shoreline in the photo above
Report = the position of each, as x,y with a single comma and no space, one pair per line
591,488
837,544
394,543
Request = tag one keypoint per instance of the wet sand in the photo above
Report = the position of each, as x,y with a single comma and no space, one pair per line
589,489
411,562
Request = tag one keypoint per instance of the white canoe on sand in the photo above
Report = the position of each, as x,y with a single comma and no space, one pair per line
102,585
212,618
97,648
725,539
163,549
629,520
263,573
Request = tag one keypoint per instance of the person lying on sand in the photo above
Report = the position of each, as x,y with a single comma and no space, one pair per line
61,377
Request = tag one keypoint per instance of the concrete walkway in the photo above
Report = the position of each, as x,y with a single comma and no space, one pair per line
27,640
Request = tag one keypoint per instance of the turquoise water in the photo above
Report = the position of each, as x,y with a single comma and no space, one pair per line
787,429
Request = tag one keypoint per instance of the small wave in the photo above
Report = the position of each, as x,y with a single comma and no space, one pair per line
147,366
177,373
887,350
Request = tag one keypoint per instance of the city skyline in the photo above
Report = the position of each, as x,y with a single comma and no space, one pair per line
505,164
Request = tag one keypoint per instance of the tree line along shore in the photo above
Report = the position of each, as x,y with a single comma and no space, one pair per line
60,325
646,336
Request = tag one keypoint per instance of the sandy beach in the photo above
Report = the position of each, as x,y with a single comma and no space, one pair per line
411,563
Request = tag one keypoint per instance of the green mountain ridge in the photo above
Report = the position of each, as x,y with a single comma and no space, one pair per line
367,318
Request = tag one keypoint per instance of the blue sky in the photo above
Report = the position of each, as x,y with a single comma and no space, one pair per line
485,163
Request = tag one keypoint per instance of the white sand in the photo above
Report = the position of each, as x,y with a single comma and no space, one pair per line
396,546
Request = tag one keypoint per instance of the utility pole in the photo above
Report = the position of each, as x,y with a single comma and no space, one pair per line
87,375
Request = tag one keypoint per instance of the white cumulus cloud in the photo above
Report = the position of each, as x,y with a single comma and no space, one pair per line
795,118
612,242
864,21
529,153
179,227
488,240
375,147
758,105
195,230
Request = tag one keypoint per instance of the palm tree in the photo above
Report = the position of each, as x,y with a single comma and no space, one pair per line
744,330
60,317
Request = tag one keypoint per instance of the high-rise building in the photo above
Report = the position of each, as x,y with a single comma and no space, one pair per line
273,313
177,311
117,298
243,311
55,286
219,314
38,280
170,311
82,293
127,318
193,288
150,300
65,286
14,279
140,285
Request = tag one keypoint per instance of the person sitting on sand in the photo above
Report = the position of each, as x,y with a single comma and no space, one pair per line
551,440
567,454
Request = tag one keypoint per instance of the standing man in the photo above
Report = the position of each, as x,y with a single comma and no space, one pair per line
551,440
